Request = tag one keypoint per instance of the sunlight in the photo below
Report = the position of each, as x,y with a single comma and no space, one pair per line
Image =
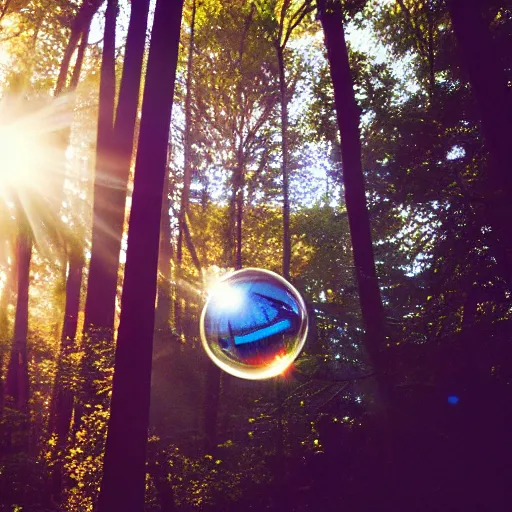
28,147
226,297
32,165
21,154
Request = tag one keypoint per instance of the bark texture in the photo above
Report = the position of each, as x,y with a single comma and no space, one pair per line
353,179
123,484
17,382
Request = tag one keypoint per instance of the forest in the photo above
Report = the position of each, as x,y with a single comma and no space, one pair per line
360,149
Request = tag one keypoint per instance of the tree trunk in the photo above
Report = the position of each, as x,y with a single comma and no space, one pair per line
239,171
63,396
80,25
229,229
239,209
80,28
489,84
191,247
83,22
17,382
75,77
187,142
111,181
187,178
211,406
99,318
353,178
280,466
4,333
123,484
284,165
99,312
163,309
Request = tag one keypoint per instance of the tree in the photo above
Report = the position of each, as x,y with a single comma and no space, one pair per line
489,85
288,19
62,406
426,163
79,33
187,163
17,382
96,314
114,154
115,146
237,123
123,483
163,308
331,16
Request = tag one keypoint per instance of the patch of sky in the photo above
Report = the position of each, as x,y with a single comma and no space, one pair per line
314,164
455,153
362,38
123,17
417,225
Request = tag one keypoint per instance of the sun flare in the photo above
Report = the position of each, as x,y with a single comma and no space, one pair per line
31,161
21,156
226,297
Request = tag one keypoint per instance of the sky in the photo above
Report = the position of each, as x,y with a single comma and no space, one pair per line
360,38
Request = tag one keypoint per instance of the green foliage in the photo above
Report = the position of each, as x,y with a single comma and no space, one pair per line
24,484
84,461
446,301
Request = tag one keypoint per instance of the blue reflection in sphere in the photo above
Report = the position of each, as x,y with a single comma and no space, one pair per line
254,324
453,399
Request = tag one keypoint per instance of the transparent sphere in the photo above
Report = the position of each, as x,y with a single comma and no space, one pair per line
254,324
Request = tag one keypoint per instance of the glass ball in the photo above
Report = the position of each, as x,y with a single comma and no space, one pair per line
254,324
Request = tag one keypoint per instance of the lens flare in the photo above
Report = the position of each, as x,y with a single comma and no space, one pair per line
33,165
254,324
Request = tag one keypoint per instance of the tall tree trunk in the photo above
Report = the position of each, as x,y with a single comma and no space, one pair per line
83,22
283,97
280,466
112,178
489,84
229,229
187,171
99,312
17,382
4,331
353,179
123,483
191,247
79,26
211,406
63,396
75,77
99,318
284,164
80,29
239,170
163,309
239,206
187,141
283,35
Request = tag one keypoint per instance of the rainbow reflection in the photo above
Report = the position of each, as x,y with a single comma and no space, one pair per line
254,324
